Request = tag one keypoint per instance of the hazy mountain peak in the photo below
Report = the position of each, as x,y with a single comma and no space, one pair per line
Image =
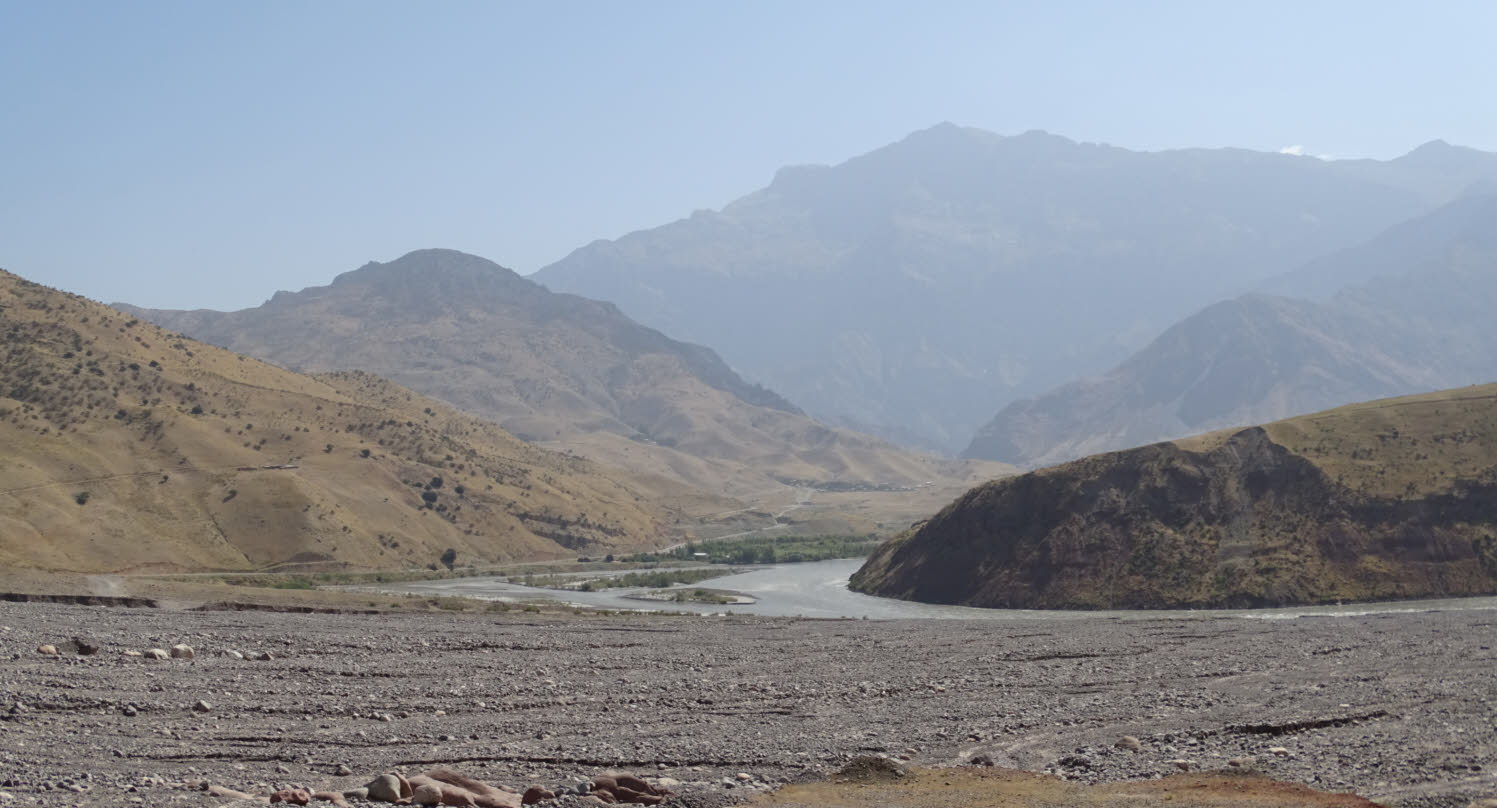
428,268
1442,155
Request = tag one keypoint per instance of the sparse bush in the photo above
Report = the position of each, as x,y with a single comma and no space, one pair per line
81,497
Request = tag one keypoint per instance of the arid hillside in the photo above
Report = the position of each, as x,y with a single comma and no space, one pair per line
563,371
1389,499
127,447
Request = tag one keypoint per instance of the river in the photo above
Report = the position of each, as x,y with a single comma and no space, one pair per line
819,589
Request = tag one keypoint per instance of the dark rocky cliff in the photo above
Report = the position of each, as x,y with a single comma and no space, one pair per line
1247,522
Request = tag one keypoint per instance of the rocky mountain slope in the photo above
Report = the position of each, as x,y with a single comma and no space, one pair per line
124,446
1388,499
561,370
924,285
1417,317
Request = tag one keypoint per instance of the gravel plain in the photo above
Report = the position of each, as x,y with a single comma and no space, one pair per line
1400,708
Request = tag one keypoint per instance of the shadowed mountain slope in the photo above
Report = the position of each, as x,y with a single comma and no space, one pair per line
1419,319
1388,499
128,447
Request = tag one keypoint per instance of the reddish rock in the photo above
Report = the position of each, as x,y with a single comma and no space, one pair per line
292,796
633,783
536,794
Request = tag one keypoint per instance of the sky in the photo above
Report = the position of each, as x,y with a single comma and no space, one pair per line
206,154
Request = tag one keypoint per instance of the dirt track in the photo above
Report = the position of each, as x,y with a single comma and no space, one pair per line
1399,708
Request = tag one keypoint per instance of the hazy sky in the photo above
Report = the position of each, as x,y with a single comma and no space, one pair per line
206,154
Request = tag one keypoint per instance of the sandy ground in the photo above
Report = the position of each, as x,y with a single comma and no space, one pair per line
1399,708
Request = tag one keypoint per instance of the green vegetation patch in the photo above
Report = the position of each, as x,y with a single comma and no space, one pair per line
630,580
768,550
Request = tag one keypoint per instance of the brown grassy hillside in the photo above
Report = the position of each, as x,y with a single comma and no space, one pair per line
1388,499
568,373
124,446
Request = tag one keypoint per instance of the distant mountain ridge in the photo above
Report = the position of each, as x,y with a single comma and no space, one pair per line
555,368
927,283
1384,500
1416,318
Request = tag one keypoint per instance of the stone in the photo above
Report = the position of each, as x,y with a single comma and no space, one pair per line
180,651
343,770
222,792
47,650
85,648
1182,765
536,794
981,759
156,653
362,793
1279,751
1129,743
262,656
133,653
202,707
292,796
129,711
428,794
1245,763
6,796
329,796
633,783
744,777
384,788
233,655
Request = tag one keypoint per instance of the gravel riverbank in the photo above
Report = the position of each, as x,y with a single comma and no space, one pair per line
1400,708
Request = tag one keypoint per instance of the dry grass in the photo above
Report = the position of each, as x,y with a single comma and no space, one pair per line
127,447
1393,448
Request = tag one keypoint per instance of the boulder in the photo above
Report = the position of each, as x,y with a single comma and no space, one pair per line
180,651
224,793
292,796
483,794
1129,743
536,794
388,788
156,653
47,650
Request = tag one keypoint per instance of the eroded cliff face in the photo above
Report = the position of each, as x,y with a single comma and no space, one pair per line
1245,523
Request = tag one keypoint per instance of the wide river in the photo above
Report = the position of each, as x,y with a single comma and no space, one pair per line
819,589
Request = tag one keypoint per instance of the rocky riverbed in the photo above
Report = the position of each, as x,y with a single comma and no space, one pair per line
1400,708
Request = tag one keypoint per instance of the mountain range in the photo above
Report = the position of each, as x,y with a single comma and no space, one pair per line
916,290
1412,313
568,373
